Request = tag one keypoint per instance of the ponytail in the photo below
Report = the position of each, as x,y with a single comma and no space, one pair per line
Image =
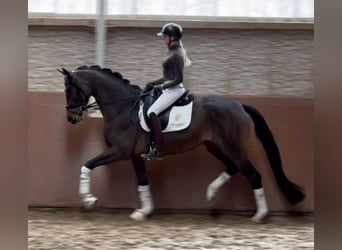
187,61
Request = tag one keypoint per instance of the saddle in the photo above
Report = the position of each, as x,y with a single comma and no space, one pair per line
176,117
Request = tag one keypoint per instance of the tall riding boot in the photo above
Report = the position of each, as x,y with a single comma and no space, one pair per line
157,144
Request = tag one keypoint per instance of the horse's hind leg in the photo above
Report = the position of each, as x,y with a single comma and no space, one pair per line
254,177
145,197
231,170
232,167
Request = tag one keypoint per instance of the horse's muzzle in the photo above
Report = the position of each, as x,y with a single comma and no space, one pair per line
74,116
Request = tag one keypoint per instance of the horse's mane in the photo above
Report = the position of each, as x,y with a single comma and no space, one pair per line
110,73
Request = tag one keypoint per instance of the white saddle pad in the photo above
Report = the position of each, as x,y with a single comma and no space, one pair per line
179,119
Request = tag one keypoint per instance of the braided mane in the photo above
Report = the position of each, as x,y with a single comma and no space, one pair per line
108,71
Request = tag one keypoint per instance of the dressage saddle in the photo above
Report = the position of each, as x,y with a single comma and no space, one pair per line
149,99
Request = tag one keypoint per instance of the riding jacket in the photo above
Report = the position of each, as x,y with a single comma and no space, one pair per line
173,66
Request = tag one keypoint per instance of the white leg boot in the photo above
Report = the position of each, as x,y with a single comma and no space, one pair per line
146,204
262,209
88,199
216,184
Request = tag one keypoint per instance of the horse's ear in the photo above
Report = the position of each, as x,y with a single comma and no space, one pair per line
64,71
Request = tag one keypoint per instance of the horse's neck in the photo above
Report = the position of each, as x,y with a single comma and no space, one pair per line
114,98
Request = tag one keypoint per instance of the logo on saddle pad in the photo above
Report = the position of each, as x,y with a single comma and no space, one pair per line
175,118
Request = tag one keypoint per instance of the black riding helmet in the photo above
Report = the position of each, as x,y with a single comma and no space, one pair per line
171,29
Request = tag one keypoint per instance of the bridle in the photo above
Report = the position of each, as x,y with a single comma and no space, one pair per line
82,102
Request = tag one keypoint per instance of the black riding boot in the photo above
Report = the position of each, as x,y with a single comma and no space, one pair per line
156,148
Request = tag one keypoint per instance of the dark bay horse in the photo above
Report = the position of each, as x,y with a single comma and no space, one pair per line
220,123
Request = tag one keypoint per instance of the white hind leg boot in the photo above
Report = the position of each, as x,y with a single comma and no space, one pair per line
146,204
216,184
262,209
88,199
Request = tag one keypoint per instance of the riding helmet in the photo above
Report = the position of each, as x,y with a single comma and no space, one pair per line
171,29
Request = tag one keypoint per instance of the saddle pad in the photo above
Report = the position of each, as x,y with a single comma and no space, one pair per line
179,118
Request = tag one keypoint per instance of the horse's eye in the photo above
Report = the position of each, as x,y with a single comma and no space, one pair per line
67,89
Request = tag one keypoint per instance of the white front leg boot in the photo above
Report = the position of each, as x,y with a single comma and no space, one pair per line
88,199
216,184
262,209
146,204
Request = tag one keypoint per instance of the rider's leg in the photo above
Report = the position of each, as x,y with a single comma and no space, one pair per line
167,98
157,134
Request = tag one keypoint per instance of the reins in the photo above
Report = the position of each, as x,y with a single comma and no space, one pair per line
96,105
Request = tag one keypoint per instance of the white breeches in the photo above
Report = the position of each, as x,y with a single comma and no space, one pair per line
166,99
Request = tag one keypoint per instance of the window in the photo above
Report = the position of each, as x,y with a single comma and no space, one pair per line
212,8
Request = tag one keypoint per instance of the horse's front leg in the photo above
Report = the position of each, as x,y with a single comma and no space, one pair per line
145,197
109,156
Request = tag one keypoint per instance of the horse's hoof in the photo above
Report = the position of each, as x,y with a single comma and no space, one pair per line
211,192
138,216
89,202
260,217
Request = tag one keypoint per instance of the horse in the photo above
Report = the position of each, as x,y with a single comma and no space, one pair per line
121,105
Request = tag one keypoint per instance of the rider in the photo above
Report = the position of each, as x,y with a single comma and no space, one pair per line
171,84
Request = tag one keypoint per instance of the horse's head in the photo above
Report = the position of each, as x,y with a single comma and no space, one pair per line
77,94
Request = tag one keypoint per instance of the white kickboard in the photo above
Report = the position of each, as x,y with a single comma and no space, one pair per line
180,118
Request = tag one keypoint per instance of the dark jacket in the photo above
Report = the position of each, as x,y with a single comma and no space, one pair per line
173,67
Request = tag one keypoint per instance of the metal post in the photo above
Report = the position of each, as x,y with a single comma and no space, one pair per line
101,31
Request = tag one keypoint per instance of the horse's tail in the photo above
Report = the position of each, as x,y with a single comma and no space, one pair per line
291,191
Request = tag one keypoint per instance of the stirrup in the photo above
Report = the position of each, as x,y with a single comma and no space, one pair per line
152,154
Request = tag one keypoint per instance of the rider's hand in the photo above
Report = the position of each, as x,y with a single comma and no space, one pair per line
148,87
158,88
